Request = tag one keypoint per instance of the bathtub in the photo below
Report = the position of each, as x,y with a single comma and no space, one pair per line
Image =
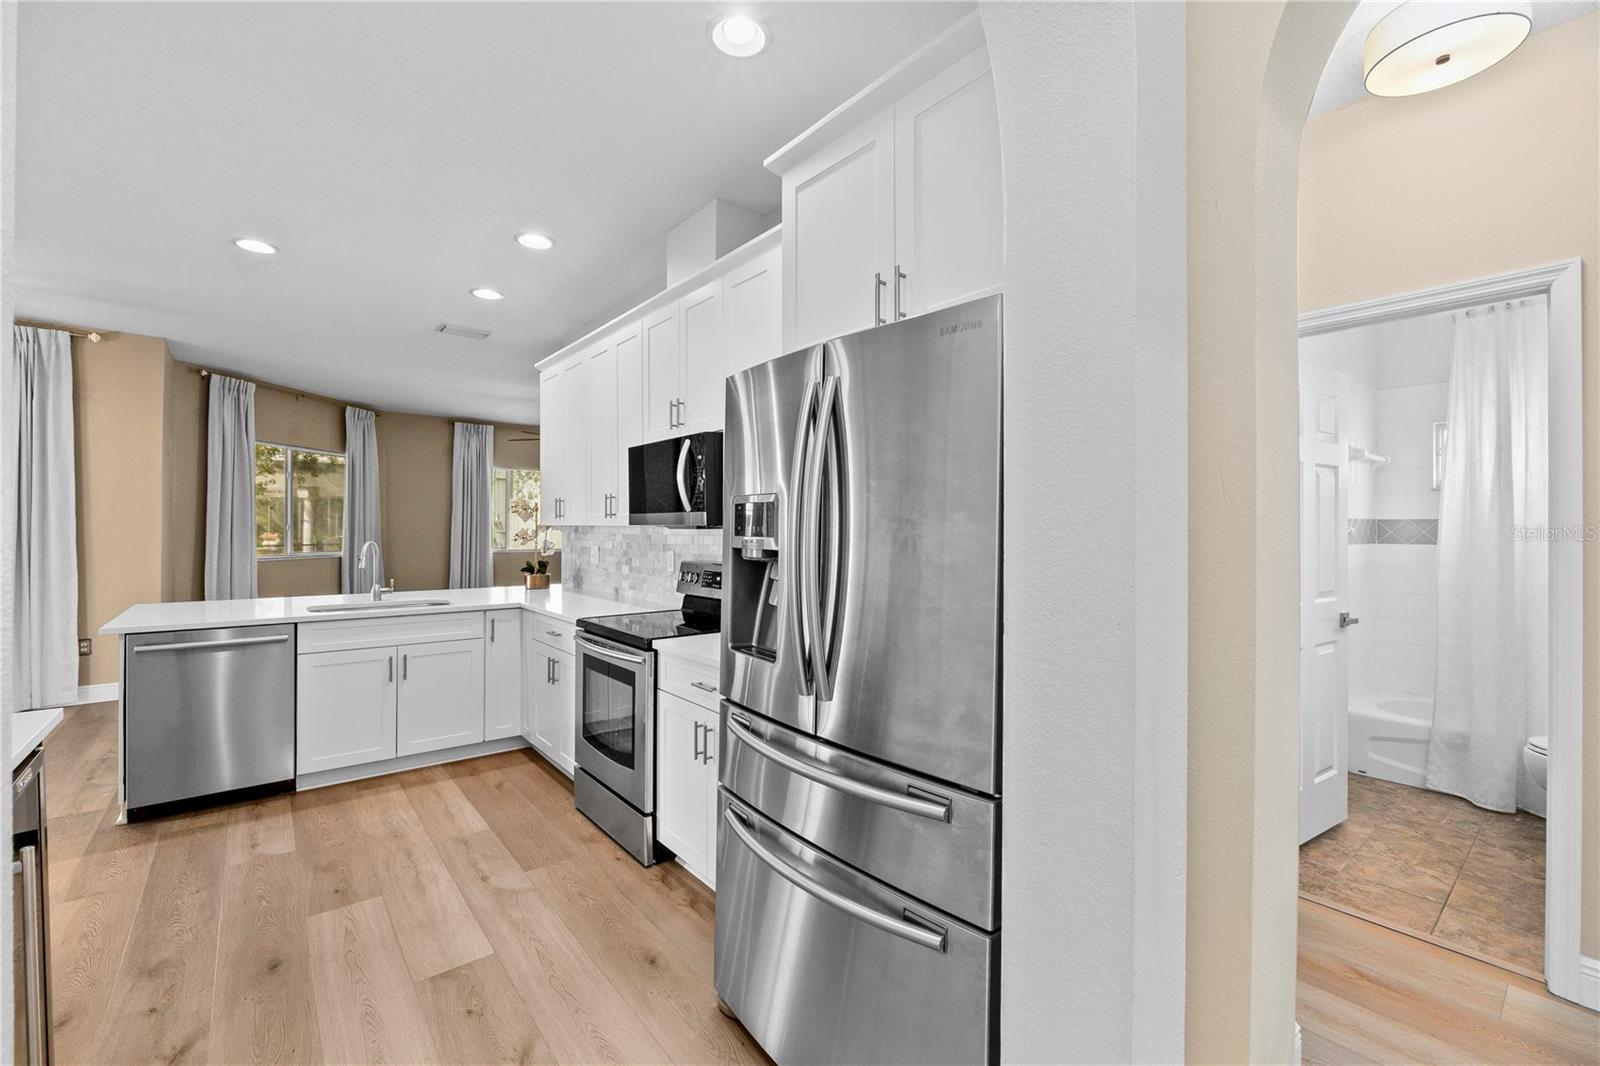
1389,736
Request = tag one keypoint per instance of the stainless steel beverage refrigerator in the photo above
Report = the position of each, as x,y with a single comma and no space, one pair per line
858,853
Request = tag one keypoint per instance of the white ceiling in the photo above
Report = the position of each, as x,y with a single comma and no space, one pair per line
1342,78
391,150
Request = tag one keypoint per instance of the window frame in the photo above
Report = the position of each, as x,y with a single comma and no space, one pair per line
523,548
288,500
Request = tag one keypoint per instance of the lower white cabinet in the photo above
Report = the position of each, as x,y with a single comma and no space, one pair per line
345,708
502,673
550,702
440,703
686,783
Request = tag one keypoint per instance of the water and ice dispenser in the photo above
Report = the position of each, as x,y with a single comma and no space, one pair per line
755,582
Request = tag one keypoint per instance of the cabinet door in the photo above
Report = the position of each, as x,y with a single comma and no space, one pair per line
682,799
574,420
441,696
552,465
344,708
661,374
630,410
949,224
838,236
700,354
566,711
544,702
502,673
600,370
752,313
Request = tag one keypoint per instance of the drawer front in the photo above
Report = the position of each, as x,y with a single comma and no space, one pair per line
556,633
379,632
690,681
938,843
795,927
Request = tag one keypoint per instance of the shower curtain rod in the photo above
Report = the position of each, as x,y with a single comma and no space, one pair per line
93,336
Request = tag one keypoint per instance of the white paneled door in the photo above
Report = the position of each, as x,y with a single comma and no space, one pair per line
1324,601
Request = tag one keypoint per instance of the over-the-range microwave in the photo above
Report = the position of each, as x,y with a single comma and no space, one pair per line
676,482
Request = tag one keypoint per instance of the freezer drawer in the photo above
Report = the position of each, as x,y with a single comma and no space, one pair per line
825,965
934,842
207,711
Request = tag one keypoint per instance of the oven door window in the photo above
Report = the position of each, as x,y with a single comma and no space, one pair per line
610,699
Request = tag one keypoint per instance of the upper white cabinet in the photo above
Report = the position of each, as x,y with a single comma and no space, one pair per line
752,313
892,204
700,359
663,375
502,673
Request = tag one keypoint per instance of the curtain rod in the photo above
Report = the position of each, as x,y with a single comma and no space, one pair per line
206,372
93,336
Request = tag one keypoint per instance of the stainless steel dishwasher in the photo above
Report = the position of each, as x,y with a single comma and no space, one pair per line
207,711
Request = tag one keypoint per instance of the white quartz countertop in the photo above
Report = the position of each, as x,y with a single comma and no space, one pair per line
702,649
28,730
554,602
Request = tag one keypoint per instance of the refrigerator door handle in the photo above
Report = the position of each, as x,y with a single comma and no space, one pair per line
924,936
830,596
794,598
822,774
683,461
33,949
811,542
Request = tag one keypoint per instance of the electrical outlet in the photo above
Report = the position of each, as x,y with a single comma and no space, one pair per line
86,646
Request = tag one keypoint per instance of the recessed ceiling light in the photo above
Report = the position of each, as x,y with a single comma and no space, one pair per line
256,245
1418,47
739,36
537,241
486,294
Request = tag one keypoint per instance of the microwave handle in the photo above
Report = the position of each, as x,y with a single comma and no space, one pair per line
683,461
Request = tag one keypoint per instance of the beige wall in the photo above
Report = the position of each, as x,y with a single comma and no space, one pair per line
119,426
184,478
1497,173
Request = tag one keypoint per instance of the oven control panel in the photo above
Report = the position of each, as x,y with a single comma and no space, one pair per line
700,579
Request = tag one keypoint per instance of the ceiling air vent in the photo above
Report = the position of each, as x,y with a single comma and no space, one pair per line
461,331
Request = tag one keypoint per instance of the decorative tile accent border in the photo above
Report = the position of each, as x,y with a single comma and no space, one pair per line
1394,531
635,564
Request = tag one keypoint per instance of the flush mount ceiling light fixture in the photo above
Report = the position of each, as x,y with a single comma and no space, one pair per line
254,245
537,241
1422,46
486,294
739,36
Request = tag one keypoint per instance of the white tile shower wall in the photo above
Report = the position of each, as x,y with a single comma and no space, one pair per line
1404,616
1404,432
635,564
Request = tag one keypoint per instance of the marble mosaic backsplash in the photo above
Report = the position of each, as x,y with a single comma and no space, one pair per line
636,564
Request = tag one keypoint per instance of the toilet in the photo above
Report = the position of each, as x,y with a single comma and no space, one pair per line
1536,757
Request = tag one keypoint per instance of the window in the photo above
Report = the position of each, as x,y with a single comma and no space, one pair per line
514,511
299,501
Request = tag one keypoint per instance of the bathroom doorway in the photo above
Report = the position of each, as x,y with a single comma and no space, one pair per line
1435,669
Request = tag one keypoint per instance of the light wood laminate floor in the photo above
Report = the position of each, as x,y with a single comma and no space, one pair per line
468,914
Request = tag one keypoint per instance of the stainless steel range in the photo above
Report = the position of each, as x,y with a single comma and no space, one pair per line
858,910
614,784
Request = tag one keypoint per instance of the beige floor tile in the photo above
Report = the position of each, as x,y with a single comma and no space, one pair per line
1426,881
1491,939
1401,909
1522,910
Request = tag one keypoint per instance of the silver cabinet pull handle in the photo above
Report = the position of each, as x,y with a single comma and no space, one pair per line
927,938
877,298
697,727
405,667
555,672
33,948
938,810
553,633
899,276
703,686
491,630
705,753
200,645
391,669
547,669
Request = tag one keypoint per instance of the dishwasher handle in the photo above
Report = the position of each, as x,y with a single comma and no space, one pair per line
201,645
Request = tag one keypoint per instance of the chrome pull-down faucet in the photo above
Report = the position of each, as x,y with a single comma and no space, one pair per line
365,564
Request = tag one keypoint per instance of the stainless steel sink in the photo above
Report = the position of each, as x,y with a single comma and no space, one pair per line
373,605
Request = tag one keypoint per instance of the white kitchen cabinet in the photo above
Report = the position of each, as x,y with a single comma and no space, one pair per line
502,673
344,708
613,378
752,312
552,438
701,359
440,702
552,707
686,783
564,444
838,236
630,408
662,376
949,219
901,214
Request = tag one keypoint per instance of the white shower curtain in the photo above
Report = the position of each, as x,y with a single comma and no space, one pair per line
41,522
471,562
230,490
1492,688
360,500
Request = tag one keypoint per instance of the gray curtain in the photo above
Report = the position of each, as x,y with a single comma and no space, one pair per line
471,563
230,490
41,522
360,500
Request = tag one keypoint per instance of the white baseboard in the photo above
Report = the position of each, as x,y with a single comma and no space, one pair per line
1589,981
102,693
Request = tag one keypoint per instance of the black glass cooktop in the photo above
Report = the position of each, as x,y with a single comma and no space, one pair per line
638,630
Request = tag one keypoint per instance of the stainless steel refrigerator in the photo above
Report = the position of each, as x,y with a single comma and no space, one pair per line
858,912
